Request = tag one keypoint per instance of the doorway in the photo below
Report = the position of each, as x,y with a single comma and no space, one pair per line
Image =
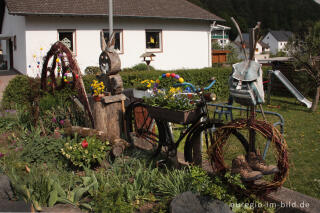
6,53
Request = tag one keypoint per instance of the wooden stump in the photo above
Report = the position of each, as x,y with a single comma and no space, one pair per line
108,115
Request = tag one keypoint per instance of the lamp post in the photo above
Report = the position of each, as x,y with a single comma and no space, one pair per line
110,18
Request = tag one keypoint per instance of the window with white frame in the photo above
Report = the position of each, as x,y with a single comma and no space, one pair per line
119,39
154,40
68,38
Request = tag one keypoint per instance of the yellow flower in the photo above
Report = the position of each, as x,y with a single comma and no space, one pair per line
86,151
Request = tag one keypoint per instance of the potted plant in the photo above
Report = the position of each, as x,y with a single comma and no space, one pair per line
143,89
172,106
97,90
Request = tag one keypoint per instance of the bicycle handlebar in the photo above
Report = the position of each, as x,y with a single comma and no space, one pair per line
193,88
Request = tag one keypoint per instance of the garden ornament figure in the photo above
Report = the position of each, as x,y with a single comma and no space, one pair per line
109,60
110,65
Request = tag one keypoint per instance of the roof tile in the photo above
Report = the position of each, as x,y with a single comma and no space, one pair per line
172,9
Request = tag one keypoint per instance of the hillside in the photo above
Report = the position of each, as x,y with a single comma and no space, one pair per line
293,15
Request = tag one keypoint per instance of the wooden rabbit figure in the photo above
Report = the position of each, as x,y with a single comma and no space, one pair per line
110,66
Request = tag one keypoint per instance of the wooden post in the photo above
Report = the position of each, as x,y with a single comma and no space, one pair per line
108,115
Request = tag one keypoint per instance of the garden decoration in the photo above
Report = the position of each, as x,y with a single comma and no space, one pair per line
110,66
106,108
63,70
148,57
246,88
167,75
156,130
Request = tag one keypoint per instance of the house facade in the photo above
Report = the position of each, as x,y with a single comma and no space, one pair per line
262,50
174,30
277,40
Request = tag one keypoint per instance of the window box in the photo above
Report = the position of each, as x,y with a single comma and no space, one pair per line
174,116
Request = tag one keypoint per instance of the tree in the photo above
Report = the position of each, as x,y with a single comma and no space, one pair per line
305,50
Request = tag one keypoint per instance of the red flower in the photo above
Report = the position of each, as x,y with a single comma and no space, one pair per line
84,144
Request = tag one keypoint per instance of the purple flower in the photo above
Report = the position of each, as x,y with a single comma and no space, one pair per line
1,154
61,122
54,120
18,149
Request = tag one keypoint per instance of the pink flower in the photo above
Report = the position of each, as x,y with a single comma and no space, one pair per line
84,144
1,154
61,122
54,120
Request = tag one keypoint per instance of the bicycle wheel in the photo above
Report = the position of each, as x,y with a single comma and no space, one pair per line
142,130
196,153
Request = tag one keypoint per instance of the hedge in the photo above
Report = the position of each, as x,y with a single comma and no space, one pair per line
18,90
22,90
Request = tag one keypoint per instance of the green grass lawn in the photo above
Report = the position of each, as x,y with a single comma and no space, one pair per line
302,133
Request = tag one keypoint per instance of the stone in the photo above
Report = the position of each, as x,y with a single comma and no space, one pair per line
5,188
14,206
190,202
217,206
62,208
186,202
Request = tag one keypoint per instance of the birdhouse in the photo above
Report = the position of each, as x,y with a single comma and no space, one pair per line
148,57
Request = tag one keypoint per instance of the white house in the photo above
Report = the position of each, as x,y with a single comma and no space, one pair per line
176,31
277,40
220,34
262,49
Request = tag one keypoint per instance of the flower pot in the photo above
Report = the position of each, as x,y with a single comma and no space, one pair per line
97,98
174,116
141,93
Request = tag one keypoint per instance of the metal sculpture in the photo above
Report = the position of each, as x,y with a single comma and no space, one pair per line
63,66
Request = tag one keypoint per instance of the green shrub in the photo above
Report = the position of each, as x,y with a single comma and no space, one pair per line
87,81
142,67
21,90
92,70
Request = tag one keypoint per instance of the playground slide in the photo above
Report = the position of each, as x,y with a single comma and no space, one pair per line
291,88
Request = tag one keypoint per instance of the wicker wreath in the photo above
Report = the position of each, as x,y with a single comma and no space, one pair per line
220,139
